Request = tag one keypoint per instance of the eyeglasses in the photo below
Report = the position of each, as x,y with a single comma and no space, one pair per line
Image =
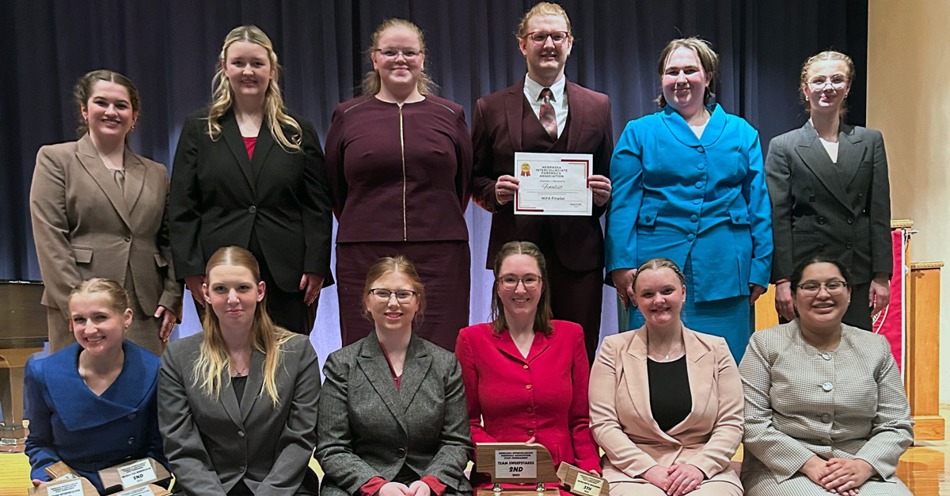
836,82
540,37
831,285
510,281
391,53
402,295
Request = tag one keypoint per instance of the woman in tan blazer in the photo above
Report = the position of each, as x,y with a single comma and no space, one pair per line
666,401
98,210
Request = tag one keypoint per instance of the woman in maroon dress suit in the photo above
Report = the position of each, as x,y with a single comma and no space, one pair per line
399,161
526,375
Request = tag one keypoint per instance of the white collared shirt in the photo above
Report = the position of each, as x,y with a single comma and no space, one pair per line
532,91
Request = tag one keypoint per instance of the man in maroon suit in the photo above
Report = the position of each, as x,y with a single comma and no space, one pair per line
547,113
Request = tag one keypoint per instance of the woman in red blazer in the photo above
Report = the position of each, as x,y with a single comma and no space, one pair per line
521,369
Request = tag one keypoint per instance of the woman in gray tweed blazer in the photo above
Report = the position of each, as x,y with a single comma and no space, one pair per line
825,408
392,418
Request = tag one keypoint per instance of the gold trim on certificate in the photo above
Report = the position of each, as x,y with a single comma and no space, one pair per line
553,183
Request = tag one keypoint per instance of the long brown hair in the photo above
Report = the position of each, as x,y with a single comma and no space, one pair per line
275,114
213,359
543,315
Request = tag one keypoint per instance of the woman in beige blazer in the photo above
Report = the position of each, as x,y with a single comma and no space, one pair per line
666,401
825,408
98,210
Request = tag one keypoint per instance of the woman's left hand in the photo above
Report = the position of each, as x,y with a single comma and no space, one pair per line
684,479
846,475
880,293
169,319
310,284
600,187
419,488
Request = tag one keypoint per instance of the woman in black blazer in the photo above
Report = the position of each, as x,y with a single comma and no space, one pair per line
830,194
249,173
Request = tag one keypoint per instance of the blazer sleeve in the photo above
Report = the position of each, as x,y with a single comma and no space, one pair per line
316,206
463,154
296,442
727,432
626,173
185,203
882,255
585,451
48,205
183,445
39,443
483,162
605,375
334,437
466,358
455,449
781,453
892,431
335,157
604,151
778,177
756,194
171,289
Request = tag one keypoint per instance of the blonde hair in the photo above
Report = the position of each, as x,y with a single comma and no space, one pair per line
274,113
401,265
544,314
657,264
118,297
821,57
267,337
372,83
708,58
542,8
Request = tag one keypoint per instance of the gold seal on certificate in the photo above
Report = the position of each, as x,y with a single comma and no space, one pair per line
553,183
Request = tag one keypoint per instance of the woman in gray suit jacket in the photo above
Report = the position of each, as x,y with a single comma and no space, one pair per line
238,403
392,416
830,194
98,210
825,407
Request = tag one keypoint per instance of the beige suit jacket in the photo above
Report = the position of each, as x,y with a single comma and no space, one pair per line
623,424
84,226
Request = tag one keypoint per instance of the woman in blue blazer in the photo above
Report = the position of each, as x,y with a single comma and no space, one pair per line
92,405
689,186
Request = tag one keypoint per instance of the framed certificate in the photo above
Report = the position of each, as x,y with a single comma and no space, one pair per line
553,183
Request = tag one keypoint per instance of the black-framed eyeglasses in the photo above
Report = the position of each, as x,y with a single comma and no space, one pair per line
402,295
831,285
391,53
540,37
510,281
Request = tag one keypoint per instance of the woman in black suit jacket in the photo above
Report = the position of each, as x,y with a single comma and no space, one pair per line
830,194
249,173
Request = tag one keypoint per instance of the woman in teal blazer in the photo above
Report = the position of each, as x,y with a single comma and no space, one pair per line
689,186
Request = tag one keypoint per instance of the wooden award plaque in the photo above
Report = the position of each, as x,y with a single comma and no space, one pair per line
529,465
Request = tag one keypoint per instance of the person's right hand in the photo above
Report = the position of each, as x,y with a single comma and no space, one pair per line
194,284
505,189
815,468
623,281
394,489
658,475
783,300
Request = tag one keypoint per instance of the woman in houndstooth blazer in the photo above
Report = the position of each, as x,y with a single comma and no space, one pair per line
825,408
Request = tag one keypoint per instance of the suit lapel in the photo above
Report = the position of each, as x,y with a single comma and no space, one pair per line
638,381
134,179
850,153
699,369
575,106
265,141
89,158
373,364
229,401
234,140
514,112
414,372
252,388
816,159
